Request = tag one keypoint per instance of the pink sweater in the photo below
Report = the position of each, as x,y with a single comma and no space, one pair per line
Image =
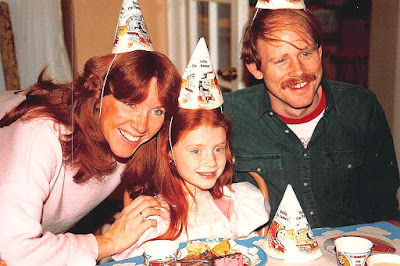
39,201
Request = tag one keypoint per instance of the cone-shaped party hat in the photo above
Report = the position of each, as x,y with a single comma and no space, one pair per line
280,4
131,33
289,236
200,89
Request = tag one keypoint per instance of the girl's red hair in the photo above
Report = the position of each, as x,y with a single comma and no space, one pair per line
167,181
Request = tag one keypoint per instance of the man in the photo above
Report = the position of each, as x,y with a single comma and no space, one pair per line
329,140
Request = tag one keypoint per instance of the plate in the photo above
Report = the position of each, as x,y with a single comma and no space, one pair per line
252,252
246,246
378,245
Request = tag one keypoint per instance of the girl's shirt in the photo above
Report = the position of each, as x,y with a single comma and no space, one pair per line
249,208
39,201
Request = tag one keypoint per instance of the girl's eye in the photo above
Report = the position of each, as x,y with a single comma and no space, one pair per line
158,111
195,151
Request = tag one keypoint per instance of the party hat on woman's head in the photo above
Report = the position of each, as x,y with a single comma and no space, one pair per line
199,88
280,4
131,33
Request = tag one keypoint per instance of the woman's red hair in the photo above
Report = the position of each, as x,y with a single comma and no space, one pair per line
76,104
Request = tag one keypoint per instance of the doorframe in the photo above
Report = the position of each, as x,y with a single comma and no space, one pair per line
182,39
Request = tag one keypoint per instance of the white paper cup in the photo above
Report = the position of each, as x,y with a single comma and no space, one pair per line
160,252
383,260
352,251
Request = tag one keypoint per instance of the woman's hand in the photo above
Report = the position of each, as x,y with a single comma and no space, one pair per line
129,226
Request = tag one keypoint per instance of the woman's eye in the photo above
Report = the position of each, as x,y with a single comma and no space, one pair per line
131,105
158,111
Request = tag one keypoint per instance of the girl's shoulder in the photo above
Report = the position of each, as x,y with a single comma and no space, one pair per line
245,193
244,187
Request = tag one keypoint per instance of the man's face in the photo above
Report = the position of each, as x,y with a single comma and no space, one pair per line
291,69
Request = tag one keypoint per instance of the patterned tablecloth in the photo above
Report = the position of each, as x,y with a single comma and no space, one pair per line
385,235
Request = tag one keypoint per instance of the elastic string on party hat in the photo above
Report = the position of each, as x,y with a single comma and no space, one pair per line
128,38
170,139
104,84
254,17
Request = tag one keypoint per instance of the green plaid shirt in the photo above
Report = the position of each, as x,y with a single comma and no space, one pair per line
347,174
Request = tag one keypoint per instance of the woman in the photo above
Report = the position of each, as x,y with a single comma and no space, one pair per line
65,156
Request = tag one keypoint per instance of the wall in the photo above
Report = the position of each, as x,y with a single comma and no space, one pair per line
384,64
94,23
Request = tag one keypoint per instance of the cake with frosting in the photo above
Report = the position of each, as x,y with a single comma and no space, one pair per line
235,259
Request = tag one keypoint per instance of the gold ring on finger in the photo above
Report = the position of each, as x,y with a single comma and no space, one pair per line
143,218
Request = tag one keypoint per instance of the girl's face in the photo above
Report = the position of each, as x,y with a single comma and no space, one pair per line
200,157
126,126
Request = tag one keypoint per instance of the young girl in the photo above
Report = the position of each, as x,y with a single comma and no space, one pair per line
195,180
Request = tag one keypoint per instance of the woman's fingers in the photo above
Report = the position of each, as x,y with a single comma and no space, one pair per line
143,202
133,221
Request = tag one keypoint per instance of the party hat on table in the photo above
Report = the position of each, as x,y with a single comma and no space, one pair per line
199,88
280,4
131,33
289,236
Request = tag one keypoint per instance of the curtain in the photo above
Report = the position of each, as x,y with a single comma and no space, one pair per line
39,40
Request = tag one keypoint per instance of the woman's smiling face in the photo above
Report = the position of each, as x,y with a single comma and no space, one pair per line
127,126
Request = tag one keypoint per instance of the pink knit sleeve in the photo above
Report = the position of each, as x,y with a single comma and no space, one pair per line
29,164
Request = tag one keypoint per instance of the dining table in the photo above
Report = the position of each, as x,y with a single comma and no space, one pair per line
385,236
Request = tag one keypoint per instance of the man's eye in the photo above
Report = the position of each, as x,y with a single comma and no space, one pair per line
195,151
219,149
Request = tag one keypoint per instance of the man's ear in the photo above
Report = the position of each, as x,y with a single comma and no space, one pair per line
252,67
320,51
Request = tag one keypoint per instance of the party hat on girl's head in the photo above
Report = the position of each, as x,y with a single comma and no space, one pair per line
199,88
131,33
280,4
289,236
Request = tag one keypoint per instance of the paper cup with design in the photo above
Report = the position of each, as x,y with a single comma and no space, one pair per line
160,252
352,251
383,260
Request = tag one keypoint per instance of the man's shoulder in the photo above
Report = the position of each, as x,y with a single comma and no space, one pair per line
350,97
339,88
246,93
244,99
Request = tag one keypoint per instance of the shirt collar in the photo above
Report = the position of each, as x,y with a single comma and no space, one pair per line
264,102
330,99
